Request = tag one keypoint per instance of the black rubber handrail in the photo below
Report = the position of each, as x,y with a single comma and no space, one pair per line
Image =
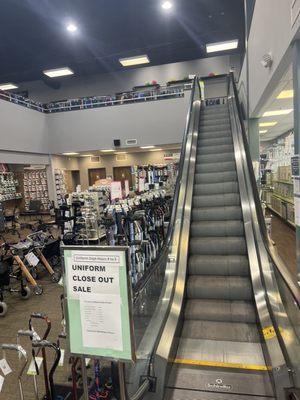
280,266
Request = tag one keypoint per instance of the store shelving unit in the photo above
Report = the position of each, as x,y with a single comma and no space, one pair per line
35,187
277,183
60,185
9,187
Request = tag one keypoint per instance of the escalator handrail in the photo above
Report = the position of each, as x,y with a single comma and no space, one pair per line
279,264
158,262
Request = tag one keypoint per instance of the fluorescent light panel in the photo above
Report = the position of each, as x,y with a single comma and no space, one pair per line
277,112
55,73
264,124
8,86
222,46
286,94
156,150
138,60
263,131
86,155
71,27
147,147
167,5
70,154
107,150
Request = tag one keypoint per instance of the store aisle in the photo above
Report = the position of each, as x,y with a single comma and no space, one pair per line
285,239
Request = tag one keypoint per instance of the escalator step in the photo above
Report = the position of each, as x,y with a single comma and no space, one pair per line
220,200
216,213
217,228
222,331
220,310
233,265
211,121
219,287
215,127
214,135
215,177
230,245
216,158
215,188
214,141
219,167
225,148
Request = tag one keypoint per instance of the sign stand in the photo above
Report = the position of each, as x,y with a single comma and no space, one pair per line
98,302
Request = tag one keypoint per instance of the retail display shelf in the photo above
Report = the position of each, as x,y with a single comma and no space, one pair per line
286,199
279,215
282,181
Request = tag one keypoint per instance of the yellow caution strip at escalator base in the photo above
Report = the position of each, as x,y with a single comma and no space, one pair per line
219,364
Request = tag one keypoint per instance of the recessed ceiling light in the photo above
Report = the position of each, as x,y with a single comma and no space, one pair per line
130,61
86,155
271,123
147,147
167,5
55,73
286,94
8,86
277,112
156,150
70,154
107,150
121,152
72,27
222,46
264,131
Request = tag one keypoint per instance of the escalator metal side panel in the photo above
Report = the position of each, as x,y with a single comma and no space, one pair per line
257,256
167,345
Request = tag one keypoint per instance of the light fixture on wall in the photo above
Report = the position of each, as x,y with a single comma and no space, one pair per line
267,60
57,72
277,112
222,46
86,155
8,86
131,61
286,94
156,150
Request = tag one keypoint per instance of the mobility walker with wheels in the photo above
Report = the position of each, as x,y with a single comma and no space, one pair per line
7,273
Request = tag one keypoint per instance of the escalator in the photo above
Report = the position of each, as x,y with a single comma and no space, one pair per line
224,322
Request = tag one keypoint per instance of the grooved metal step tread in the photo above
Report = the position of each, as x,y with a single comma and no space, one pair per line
219,200
216,213
218,245
214,122
220,310
222,265
214,141
215,177
212,167
224,148
202,189
220,331
217,228
216,158
214,135
219,287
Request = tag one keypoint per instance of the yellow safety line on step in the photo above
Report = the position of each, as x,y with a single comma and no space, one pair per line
220,364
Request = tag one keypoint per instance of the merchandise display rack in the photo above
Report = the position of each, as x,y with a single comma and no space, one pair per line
8,187
36,188
60,185
276,180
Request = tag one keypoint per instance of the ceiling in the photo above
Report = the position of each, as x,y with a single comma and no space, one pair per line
284,122
34,36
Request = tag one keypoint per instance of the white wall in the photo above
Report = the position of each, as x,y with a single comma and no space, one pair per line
110,83
156,122
271,32
22,129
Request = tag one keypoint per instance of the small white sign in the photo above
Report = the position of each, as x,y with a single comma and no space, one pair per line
5,368
141,184
116,190
101,321
32,368
32,259
62,358
126,188
1,382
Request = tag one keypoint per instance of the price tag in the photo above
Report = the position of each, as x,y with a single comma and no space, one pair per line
32,259
5,367
32,369
62,358
1,382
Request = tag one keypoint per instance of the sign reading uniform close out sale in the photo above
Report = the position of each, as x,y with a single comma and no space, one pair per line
98,302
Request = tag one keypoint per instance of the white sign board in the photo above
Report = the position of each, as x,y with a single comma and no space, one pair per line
116,190
141,184
126,188
98,302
